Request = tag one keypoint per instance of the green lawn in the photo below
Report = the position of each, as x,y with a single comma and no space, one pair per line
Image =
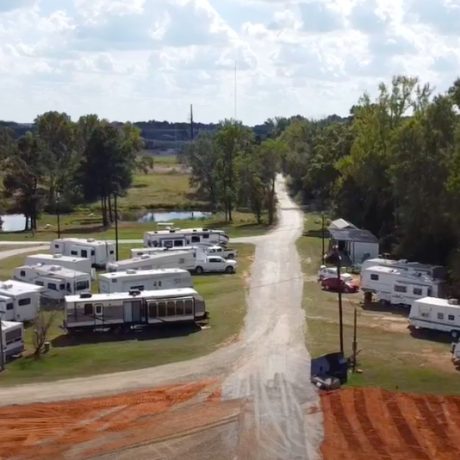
390,357
225,300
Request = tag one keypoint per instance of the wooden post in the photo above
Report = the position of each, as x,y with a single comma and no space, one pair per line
339,279
355,343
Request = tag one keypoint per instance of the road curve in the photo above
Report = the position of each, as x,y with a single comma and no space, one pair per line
19,251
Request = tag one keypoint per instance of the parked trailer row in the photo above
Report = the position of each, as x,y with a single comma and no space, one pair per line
184,237
100,253
79,264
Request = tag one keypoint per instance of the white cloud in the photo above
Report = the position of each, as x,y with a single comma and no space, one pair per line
144,59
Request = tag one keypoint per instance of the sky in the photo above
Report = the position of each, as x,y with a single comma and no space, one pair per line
150,59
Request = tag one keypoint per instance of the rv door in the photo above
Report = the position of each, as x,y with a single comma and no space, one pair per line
98,314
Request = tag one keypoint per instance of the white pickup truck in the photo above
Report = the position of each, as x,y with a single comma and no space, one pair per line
223,252
215,264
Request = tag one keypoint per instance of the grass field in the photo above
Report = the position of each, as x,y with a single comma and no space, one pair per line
390,357
225,300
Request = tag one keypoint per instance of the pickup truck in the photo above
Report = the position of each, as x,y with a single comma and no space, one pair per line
226,253
215,264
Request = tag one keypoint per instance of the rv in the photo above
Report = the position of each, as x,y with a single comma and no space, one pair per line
176,259
19,301
12,338
137,252
79,264
399,287
57,281
436,314
434,271
99,252
184,237
144,280
124,310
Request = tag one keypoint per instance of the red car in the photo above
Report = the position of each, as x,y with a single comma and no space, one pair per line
333,284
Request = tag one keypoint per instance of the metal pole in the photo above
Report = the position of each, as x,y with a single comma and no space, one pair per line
340,300
2,356
322,237
58,216
116,226
355,343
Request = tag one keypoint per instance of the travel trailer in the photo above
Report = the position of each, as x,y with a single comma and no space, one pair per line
79,264
124,310
436,314
12,338
145,280
175,259
57,281
399,287
200,251
138,252
99,252
184,237
19,301
434,271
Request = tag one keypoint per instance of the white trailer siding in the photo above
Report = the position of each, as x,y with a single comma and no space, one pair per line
145,280
184,237
434,271
138,252
22,300
79,264
12,338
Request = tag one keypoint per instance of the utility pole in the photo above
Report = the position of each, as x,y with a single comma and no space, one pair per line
339,281
322,237
191,122
58,216
116,226
2,356
235,94
355,342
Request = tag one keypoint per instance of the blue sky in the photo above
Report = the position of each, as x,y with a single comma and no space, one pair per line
151,59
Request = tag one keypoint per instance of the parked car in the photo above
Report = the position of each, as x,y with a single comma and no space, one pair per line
333,284
331,272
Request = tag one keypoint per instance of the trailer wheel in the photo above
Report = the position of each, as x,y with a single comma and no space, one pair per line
455,334
229,269
199,270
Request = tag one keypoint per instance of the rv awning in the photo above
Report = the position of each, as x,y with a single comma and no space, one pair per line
353,234
340,224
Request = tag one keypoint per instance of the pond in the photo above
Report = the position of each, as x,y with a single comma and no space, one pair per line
177,215
13,222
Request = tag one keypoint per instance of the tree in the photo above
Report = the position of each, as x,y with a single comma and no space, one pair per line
42,325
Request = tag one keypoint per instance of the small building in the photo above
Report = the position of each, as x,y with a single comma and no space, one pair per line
340,224
355,245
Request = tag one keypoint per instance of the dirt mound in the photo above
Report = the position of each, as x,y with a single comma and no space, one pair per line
368,424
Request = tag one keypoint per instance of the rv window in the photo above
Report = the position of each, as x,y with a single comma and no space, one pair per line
98,309
155,244
451,318
13,336
195,239
168,244
112,252
56,246
114,280
172,308
159,283
68,287
152,310
24,302
178,243
418,291
440,315
93,253
429,292
205,236
179,307
9,306
400,288
137,288
374,277
73,253
162,312
84,253
39,283
62,287
188,307
52,286
82,285
88,308
23,273
181,261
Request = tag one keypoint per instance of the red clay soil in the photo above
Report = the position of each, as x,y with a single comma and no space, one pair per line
368,424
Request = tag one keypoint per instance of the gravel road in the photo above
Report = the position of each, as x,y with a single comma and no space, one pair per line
19,251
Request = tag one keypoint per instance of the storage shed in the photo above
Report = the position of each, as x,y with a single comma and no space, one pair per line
340,224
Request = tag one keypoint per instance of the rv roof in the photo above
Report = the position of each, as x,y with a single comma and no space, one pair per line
144,258
186,231
53,270
435,301
181,292
160,271
4,298
61,257
13,287
87,242
403,263
409,277
8,325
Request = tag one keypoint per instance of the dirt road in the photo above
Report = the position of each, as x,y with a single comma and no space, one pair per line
19,251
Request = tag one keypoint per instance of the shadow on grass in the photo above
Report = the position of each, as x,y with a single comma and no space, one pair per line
140,185
153,333
316,234
432,336
384,308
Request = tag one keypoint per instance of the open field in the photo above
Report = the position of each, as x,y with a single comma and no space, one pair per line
391,358
103,353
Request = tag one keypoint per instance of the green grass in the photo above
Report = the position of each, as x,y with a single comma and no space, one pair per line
169,160
390,357
225,300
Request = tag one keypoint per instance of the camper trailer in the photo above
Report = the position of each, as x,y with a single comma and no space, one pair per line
124,310
138,252
19,301
434,271
57,281
184,237
12,338
399,287
175,259
99,252
144,280
79,264
436,314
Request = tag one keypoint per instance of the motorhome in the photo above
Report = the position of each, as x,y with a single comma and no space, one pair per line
124,310
12,338
436,314
184,237
99,252
57,281
19,301
400,287
138,252
79,264
145,280
175,259
434,271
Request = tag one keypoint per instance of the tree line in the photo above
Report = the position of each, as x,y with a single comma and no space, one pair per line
62,163
231,168
392,168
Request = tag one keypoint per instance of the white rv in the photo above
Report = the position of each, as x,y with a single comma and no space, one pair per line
20,301
138,252
176,259
99,252
145,280
12,338
79,264
57,281
434,271
436,314
400,287
131,309
184,237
